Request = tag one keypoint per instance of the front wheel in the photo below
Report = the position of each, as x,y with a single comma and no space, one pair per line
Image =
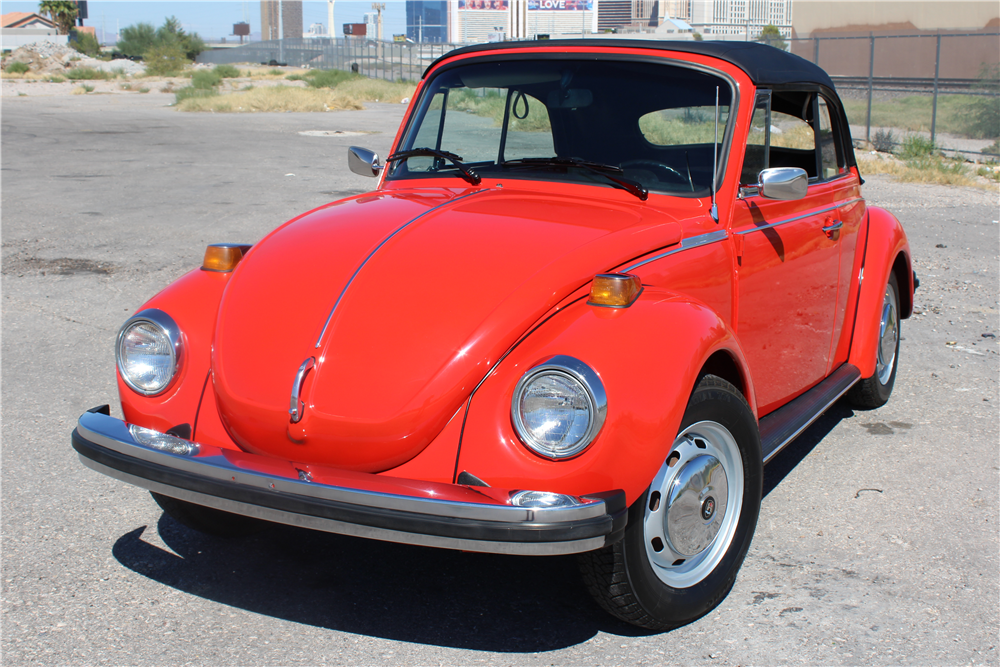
688,534
873,392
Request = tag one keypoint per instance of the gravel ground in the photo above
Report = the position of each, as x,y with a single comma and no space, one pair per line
877,543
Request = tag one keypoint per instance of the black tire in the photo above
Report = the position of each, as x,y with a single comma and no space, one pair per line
873,392
629,579
209,520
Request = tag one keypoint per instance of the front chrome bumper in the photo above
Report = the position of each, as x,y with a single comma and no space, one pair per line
360,504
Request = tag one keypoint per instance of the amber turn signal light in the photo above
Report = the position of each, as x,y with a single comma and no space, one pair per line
614,290
223,257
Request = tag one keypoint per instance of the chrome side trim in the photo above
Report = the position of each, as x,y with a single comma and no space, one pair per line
798,217
344,528
212,464
686,244
329,317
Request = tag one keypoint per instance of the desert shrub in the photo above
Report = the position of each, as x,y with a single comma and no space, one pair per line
992,149
190,92
884,140
226,72
328,78
85,43
83,89
87,74
17,67
916,146
296,77
205,79
275,72
165,60
983,111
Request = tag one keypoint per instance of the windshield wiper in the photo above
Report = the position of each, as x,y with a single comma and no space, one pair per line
605,170
467,174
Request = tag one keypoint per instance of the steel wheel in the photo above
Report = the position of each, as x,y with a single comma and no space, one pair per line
694,505
888,333
688,533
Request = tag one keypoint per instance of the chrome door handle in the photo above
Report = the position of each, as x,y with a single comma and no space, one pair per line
297,407
832,227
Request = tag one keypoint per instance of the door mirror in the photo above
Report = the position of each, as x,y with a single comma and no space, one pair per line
783,183
364,162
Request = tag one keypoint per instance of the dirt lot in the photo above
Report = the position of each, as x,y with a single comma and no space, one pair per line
878,540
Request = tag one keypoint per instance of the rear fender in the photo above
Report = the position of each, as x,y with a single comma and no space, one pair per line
648,356
887,251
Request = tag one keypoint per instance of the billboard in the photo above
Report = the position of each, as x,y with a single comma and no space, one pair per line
560,5
495,5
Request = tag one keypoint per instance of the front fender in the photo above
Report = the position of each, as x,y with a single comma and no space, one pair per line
886,251
648,357
193,302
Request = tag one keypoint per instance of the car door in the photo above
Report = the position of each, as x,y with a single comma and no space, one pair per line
789,252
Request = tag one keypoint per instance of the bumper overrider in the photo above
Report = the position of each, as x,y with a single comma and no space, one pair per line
337,501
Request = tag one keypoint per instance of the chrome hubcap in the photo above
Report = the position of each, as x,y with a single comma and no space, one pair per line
694,505
888,336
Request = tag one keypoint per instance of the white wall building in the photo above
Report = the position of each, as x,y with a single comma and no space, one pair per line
474,20
734,19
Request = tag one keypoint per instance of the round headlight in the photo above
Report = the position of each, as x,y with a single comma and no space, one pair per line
149,351
559,407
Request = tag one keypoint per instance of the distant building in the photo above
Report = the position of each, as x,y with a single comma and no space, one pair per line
427,20
281,19
20,28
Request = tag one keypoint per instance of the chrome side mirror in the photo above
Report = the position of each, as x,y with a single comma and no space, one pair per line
783,183
365,162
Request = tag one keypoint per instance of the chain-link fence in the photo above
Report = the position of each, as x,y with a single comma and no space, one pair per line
942,86
374,59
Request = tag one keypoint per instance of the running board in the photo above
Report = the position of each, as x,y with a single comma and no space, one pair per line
786,423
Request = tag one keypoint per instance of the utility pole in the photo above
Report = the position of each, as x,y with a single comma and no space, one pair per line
329,17
379,7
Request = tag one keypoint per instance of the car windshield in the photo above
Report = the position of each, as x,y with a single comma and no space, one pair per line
610,122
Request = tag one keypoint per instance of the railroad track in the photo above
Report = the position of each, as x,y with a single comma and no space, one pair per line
892,83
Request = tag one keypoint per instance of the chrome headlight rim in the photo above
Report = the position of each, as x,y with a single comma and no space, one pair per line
597,399
167,326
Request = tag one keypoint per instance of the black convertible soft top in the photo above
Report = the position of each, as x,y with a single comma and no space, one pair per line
765,65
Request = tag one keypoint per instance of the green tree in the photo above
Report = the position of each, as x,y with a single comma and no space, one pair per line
172,33
136,39
771,36
62,12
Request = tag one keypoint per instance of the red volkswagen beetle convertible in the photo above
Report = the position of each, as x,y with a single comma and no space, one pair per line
597,286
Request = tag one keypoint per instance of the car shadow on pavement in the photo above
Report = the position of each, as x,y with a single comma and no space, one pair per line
407,593
785,461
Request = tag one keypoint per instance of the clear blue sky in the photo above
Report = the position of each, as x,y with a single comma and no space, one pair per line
215,18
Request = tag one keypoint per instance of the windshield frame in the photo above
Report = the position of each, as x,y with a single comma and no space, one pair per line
726,130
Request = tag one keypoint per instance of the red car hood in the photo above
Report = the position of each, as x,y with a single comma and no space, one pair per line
427,289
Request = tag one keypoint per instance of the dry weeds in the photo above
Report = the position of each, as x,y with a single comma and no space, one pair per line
349,95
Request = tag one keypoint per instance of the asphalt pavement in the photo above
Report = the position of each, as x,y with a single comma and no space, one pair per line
878,536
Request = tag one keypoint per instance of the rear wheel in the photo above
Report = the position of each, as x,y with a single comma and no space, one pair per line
208,520
873,392
688,534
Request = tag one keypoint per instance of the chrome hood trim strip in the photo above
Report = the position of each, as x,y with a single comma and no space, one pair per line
329,317
686,244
